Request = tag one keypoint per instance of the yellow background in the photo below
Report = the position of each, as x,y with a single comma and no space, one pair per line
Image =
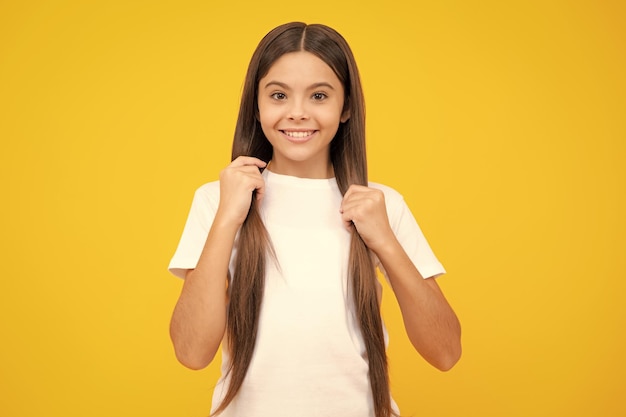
502,123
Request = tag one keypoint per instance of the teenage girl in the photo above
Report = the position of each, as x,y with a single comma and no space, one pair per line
279,255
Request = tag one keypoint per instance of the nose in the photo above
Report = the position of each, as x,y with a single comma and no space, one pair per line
298,111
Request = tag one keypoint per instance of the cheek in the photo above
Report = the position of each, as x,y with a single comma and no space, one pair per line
331,118
336,112
268,121
268,116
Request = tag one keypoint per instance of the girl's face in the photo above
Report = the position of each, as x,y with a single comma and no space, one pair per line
300,107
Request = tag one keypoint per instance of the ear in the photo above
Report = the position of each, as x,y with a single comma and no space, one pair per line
345,115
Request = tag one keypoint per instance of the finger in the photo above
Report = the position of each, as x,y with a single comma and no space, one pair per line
356,198
362,206
349,213
251,170
260,189
248,160
253,181
346,218
355,188
251,178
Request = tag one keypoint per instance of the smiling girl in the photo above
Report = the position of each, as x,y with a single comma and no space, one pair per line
279,256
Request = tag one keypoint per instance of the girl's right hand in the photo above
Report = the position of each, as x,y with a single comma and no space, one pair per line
237,183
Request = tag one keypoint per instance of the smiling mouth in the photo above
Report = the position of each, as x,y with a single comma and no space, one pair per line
298,134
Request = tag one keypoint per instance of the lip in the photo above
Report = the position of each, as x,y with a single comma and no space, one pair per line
299,138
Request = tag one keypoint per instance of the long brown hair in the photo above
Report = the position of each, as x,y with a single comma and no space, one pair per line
350,167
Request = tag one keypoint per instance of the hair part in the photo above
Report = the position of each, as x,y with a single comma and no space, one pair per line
348,156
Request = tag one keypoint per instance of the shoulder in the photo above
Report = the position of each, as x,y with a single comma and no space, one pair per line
397,209
207,194
392,197
209,188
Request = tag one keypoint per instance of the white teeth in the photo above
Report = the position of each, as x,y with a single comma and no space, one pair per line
298,134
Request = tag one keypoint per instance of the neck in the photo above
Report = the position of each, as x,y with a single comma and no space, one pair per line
302,170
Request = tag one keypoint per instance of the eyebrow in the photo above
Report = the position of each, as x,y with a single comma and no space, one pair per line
311,87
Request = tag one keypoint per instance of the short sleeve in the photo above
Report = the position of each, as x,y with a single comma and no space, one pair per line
409,235
199,221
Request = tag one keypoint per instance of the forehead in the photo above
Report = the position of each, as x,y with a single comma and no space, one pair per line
301,67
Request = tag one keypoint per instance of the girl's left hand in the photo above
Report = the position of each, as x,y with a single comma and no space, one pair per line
364,208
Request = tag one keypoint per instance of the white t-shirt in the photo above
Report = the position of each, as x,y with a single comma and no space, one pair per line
309,358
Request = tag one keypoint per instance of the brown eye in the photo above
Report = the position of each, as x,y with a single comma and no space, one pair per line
279,96
319,96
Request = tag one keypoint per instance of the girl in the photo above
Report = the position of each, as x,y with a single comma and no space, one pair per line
279,255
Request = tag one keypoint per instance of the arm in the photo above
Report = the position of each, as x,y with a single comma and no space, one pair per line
430,322
199,318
